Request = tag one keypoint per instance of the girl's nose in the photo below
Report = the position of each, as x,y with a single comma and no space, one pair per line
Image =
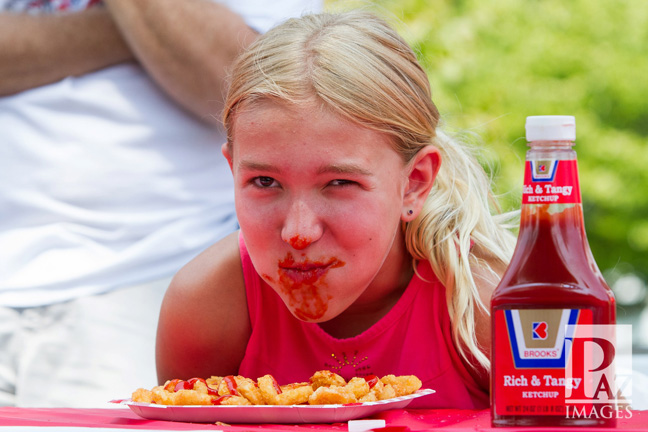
302,226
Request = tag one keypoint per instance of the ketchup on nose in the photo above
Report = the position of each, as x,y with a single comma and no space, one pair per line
298,242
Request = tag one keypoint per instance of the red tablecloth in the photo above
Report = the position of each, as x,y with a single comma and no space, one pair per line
397,421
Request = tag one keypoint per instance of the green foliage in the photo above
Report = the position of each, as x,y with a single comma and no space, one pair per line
492,63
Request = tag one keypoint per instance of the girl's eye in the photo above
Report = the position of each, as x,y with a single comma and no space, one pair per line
264,182
342,182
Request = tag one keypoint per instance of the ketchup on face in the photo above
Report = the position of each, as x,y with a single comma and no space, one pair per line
304,286
549,297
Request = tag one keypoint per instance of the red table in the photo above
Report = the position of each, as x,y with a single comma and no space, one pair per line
397,421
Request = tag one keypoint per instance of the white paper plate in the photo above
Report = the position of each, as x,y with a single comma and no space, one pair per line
255,414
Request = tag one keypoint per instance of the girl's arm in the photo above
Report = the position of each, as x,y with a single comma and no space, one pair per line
204,323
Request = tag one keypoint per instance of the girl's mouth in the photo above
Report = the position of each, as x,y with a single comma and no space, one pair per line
303,285
306,272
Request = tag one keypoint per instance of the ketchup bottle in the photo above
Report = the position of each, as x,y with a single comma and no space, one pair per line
544,373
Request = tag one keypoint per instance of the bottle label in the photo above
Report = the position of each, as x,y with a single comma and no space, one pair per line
531,350
551,181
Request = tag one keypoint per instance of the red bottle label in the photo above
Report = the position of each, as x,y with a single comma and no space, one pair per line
551,181
532,348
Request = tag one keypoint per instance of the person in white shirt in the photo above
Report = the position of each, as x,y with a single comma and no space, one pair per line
111,179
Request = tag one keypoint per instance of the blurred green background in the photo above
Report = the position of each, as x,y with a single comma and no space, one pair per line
492,63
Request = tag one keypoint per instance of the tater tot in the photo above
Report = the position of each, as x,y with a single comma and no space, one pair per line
286,387
332,395
403,385
358,387
295,396
228,386
249,390
325,378
214,381
231,400
369,397
269,389
383,391
142,395
274,395
191,397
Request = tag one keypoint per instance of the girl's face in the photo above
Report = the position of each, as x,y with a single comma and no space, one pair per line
320,201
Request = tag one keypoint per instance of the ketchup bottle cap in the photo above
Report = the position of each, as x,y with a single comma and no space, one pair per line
550,128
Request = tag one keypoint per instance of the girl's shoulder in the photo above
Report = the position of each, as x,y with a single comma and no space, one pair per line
204,322
218,267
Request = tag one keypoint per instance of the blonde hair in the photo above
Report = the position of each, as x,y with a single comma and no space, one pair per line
360,68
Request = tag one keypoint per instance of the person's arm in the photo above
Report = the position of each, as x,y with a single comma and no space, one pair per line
41,49
186,46
204,322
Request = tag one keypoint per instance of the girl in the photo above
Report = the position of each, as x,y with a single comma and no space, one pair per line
367,244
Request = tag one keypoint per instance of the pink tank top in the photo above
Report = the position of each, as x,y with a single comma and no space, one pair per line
413,338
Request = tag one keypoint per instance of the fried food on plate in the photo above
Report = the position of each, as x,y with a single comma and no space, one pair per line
326,378
324,387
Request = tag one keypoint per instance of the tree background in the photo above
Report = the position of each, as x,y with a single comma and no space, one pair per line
492,63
